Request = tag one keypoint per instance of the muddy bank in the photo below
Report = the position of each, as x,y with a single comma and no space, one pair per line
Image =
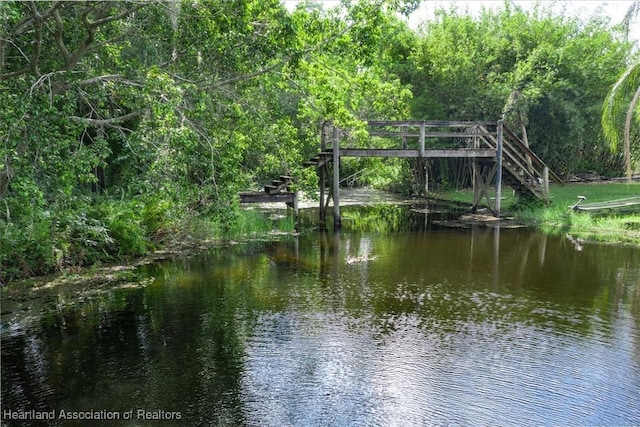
481,220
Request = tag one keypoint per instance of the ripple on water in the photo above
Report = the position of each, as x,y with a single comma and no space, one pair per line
353,351
479,364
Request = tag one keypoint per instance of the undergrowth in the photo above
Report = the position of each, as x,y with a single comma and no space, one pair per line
92,231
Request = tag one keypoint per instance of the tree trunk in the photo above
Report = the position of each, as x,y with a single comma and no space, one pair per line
627,133
5,179
525,140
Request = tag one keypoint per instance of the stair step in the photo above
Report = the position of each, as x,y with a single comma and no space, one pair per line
286,178
270,188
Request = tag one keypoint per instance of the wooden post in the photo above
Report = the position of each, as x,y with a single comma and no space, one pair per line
426,177
475,180
422,132
322,179
336,179
423,162
322,182
545,182
496,212
403,131
296,211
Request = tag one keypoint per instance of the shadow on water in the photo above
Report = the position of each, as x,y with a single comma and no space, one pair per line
394,320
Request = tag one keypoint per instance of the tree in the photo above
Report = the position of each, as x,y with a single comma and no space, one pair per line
624,95
548,71
171,108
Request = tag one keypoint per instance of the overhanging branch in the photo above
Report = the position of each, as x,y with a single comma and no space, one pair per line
106,122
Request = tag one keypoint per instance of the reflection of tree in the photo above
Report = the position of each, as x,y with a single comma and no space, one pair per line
185,337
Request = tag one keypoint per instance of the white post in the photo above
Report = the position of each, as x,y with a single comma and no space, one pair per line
499,170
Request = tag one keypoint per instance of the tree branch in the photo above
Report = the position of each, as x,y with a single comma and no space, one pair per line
5,178
108,78
283,61
12,74
35,21
124,14
37,40
91,28
27,22
106,122
58,36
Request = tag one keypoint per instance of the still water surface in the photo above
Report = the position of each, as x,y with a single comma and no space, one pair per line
410,326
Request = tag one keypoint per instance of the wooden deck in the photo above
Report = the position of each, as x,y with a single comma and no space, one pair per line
277,191
497,156
261,197
484,153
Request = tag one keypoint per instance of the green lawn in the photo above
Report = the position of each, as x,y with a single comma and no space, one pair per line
557,217
594,192
562,195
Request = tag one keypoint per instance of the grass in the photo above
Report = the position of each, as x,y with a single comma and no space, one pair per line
557,217
199,231
594,192
256,223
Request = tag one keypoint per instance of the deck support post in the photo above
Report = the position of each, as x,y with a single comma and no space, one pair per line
336,179
475,178
545,182
322,171
425,165
422,162
322,179
403,131
475,182
496,211
422,135
296,210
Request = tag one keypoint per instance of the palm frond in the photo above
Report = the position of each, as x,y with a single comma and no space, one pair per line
617,104
632,12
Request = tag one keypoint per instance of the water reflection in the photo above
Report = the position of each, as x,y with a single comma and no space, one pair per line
425,326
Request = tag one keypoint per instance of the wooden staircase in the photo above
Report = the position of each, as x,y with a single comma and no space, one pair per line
522,169
319,160
278,185
277,191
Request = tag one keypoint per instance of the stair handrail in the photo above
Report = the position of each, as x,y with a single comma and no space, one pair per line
512,143
509,152
524,169
534,157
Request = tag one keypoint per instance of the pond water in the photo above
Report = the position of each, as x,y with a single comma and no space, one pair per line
391,322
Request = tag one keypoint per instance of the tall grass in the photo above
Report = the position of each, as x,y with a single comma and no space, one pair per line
255,223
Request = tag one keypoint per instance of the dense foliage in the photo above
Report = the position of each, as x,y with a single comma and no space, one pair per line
119,120
545,71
